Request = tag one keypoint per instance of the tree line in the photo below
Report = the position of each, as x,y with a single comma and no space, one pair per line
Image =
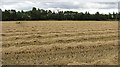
41,14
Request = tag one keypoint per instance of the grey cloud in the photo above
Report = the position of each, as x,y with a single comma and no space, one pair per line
109,5
113,3
63,5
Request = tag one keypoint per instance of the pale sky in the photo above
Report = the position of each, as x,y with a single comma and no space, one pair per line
103,6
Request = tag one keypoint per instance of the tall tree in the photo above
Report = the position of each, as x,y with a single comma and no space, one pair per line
41,14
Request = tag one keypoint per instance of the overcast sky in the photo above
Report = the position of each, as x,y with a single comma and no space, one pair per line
103,6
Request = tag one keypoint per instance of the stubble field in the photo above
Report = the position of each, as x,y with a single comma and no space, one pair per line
60,42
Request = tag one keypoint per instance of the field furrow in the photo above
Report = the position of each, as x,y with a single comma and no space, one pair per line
39,41
55,35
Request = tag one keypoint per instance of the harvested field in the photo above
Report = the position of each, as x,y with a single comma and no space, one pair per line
60,43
